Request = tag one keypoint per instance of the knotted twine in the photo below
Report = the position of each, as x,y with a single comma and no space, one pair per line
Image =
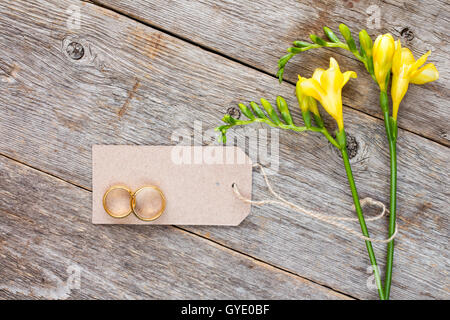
330,219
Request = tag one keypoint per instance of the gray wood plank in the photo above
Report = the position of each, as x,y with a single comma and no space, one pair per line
54,108
259,32
43,250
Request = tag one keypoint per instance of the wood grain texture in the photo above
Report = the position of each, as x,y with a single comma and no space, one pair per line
54,108
259,32
39,243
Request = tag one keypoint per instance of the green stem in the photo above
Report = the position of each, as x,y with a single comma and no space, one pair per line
358,209
330,138
391,132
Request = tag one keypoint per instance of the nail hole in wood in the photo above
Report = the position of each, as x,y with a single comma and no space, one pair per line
234,112
75,50
407,34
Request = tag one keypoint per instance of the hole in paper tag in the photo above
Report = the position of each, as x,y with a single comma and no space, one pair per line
196,182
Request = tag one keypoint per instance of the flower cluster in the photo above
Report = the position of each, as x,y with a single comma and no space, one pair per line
381,58
388,55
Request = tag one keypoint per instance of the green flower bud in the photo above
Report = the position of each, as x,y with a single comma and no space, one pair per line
365,42
257,110
306,115
296,50
301,44
270,111
284,110
246,111
318,40
330,34
284,59
348,37
228,119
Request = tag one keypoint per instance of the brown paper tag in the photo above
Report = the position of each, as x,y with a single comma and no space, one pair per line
196,181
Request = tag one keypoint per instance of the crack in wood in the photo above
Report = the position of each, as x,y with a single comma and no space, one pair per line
130,96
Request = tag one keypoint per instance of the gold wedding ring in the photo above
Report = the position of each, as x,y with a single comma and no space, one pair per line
112,214
133,203
160,211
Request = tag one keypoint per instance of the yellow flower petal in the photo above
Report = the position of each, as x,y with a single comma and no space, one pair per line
405,70
402,58
318,74
398,91
348,75
383,52
420,61
332,78
334,64
302,99
382,44
425,74
311,87
312,103
325,86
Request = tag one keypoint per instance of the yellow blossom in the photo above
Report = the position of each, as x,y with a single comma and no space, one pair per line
405,70
383,52
305,102
326,87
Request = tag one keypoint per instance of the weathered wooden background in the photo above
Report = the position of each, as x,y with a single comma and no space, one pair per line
150,67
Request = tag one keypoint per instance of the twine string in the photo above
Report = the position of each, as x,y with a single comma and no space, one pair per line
330,219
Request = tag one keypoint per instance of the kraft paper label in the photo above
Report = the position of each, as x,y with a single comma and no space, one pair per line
196,182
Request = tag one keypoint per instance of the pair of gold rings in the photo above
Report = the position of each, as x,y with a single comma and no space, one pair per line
133,203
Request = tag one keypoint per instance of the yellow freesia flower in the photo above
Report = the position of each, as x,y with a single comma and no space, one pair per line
383,52
305,102
326,87
405,70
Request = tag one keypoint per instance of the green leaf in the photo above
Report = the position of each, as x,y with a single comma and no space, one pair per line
270,111
284,110
330,34
246,111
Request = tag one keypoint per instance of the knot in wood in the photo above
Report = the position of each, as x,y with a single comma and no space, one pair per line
75,50
352,146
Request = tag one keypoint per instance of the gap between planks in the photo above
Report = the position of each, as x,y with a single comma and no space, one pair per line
214,243
213,51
